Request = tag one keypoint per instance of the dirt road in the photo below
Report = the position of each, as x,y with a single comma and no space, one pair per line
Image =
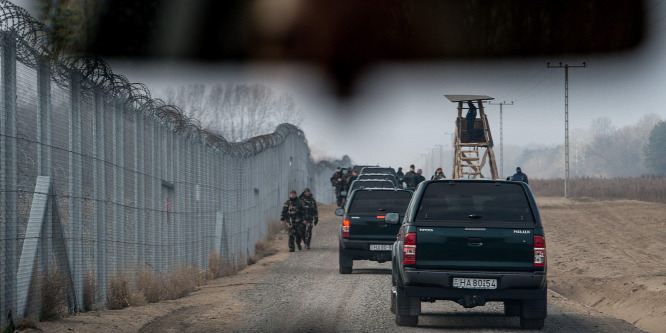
606,267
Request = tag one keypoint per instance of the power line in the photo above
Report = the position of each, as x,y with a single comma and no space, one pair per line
566,122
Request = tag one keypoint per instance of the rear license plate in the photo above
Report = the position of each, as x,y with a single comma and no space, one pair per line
467,283
380,247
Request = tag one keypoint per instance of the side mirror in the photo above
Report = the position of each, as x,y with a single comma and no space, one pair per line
392,218
339,212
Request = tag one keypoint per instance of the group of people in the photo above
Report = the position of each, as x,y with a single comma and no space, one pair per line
300,215
341,181
413,179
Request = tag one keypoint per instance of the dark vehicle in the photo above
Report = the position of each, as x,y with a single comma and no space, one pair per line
364,235
379,176
369,183
471,242
358,168
377,170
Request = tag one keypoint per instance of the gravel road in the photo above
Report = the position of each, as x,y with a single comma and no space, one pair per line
305,293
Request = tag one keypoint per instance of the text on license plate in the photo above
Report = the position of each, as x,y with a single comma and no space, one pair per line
380,247
468,283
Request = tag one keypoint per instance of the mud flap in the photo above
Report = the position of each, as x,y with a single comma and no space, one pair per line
534,308
406,306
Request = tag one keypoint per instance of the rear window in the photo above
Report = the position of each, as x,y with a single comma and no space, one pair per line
474,202
372,184
378,170
380,202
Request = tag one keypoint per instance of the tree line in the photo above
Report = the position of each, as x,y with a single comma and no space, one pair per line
603,150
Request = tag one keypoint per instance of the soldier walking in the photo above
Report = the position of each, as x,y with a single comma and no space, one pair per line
310,215
292,217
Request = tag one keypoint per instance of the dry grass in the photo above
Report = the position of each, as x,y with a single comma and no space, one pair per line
648,188
181,282
54,299
22,324
89,292
150,285
119,293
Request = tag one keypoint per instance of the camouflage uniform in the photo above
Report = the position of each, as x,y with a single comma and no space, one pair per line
292,216
310,215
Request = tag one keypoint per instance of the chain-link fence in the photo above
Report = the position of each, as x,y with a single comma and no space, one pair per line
97,176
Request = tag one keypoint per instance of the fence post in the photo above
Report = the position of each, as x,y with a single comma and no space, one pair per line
139,189
75,185
9,184
99,175
118,185
44,156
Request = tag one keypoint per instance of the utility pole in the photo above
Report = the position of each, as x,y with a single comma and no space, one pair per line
566,122
501,136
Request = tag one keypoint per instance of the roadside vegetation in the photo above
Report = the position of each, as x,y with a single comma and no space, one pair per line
144,286
646,188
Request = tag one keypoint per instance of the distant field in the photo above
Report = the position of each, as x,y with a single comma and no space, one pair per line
646,188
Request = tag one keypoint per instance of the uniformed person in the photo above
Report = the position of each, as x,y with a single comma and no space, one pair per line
292,217
310,215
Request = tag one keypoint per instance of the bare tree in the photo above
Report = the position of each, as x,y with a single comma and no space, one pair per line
236,111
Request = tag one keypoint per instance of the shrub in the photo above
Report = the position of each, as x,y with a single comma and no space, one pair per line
54,299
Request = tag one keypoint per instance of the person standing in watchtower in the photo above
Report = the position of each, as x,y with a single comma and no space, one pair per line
471,117
292,217
310,215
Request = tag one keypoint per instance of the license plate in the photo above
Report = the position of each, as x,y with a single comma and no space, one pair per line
467,283
380,247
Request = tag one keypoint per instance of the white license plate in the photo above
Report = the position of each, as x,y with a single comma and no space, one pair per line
467,283
380,247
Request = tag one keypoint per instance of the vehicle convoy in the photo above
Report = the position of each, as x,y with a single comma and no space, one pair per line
364,235
369,183
471,242
379,176
384,170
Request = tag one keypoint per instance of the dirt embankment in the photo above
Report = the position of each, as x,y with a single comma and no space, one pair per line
610,255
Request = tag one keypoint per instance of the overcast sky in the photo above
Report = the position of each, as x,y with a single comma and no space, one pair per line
400,112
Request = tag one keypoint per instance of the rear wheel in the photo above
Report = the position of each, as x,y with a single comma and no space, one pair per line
408,306
345,263
531,323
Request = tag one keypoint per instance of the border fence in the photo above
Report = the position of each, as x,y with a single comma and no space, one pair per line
96,176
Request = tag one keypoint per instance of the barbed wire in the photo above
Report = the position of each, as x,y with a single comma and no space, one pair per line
34,46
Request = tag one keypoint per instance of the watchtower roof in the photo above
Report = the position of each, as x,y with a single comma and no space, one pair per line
464,98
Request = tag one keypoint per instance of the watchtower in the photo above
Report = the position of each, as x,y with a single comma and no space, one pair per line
472,149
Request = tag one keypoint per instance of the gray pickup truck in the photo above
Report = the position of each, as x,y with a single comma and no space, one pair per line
471,242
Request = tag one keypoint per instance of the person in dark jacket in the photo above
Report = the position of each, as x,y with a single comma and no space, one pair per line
310,215
400,176
519,176
410,177
419,178
470,117
292,217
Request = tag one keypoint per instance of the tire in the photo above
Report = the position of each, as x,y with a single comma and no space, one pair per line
345,263
512,308
406,320
531,323
410,321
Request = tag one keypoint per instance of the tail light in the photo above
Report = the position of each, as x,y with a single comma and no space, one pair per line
345,228
539,251
409,249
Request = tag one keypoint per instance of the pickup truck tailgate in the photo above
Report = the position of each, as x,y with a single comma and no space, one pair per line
472,248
